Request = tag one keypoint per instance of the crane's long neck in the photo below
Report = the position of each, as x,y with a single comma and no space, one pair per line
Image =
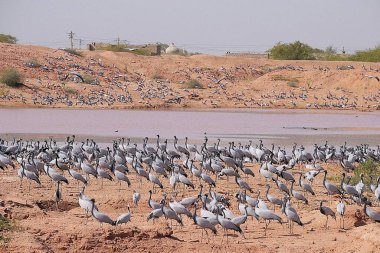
92,208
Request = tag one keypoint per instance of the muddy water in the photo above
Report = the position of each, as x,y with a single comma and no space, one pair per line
272,125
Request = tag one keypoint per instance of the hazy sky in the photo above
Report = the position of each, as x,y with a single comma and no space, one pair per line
212,26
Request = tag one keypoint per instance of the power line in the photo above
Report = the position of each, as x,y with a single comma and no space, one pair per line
71,37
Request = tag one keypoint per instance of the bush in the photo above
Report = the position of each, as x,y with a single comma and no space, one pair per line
157,77
370,55
368,168
5,226
292,51
141,51
70,90
293,84
285,78
194,84
7,39
88,79
11,77
72,51
32,63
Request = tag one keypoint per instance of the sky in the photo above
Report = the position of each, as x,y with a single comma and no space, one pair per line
207,26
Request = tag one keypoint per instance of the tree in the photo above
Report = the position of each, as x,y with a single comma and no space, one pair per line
292,51
7,39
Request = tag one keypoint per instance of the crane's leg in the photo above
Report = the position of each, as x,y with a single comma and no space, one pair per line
265,229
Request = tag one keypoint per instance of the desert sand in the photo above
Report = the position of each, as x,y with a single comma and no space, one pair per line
41,228
125,80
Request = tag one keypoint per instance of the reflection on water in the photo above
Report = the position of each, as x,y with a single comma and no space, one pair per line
241,124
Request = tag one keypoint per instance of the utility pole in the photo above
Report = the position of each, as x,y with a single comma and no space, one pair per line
118,41
71,37
80,43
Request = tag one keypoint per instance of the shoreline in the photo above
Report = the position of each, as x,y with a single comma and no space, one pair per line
190,109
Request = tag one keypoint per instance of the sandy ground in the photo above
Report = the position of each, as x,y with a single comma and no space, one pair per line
41,228
160,82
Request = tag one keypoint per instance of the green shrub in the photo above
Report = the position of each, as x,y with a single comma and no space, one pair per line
11,77
285,78
72,51
293,51
370,55
33,63
141,51
88,79
7,39
70,90
194,84
368,168
5,226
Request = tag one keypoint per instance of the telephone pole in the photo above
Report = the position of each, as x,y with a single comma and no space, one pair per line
71,37
118,41
80,43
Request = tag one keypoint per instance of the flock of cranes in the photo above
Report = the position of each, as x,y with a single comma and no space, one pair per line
195,182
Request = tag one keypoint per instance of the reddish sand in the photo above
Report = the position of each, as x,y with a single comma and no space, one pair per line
41,228
160,82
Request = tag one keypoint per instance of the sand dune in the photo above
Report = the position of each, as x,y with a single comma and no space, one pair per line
130,81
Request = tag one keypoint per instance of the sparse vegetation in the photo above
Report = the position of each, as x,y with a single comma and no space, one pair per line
7,39
292,81
368,168
5,226
72,51
141,51
370,55
32,63
70,90
293,84
11,77
88,79
193,84
300,51
3,91
157,77
292,51
145,50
